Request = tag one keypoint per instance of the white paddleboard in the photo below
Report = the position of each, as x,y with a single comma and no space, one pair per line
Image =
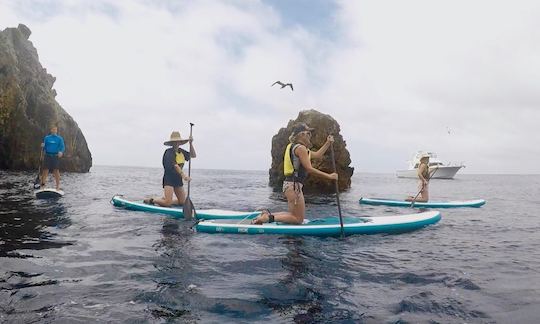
48,193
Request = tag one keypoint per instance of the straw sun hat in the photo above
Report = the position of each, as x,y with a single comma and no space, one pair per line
175,137
424,156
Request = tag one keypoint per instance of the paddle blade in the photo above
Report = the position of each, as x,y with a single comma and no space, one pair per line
37,181
188,209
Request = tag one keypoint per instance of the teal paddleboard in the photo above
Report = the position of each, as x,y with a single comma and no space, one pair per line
326,226
429,204
176,211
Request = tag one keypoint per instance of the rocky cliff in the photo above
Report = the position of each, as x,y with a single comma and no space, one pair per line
324,125
28,108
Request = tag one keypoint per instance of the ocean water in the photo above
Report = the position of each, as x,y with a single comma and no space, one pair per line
79,259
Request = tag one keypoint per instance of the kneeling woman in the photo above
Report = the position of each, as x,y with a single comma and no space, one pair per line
174,177
297,166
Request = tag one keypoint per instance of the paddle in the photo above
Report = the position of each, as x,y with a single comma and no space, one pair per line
188,209
37,181
429,178
337,188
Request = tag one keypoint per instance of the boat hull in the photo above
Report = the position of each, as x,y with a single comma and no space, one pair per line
444,172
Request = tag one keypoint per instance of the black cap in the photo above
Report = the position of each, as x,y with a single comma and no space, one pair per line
300,127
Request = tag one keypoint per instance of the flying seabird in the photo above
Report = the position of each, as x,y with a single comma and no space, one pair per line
283,85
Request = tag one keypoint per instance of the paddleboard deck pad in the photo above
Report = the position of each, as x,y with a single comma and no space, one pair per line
429,204
48,193
177,211
326,226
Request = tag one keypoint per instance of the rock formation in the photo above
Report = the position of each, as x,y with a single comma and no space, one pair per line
324,125
28,108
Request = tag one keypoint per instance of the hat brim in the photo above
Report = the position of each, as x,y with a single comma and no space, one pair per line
180,142
308,129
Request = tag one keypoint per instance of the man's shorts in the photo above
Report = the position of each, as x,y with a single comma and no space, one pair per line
51,162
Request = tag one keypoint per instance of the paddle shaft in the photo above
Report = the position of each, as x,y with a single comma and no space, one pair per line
189,164
188,209
337,189
429,178
38,177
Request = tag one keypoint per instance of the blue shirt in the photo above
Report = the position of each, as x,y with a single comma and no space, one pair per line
53,144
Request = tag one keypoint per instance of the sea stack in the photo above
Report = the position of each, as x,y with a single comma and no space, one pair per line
28,108
324,125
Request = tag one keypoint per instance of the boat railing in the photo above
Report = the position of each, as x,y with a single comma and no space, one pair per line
456,164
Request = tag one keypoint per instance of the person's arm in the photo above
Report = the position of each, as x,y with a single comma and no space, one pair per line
192,153
62,147
320,152
178,169
302,153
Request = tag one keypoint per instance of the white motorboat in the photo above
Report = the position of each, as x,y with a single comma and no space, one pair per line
444,171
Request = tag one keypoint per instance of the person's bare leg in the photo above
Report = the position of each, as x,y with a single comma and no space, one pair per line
56,173
44,175
420,196
167,200
425,194
180,195
296,212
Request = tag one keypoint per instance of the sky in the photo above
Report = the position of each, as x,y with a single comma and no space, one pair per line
460,78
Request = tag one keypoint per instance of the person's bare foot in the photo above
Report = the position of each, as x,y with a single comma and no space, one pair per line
264,217
149,201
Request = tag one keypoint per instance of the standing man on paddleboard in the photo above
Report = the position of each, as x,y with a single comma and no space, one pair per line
296,167
174,177
53,149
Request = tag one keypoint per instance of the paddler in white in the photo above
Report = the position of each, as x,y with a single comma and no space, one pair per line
296,167
423,180
174,176
53,148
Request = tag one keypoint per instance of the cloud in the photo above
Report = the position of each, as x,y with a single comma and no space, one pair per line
411,69
395,75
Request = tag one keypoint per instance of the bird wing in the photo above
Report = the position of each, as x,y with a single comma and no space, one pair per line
277,82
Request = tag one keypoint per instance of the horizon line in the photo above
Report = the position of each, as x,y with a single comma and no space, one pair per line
266,170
